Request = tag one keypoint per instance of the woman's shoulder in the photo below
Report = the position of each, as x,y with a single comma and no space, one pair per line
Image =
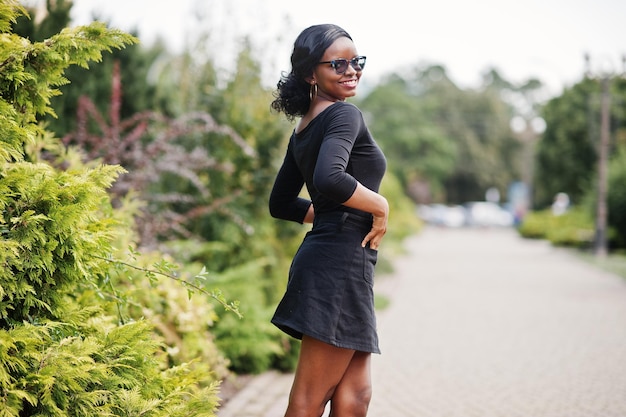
343,109
346,107
342,112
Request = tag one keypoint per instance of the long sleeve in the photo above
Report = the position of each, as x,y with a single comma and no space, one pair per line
331,156
284,201
331,177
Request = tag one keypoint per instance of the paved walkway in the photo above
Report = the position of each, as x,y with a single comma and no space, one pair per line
483,323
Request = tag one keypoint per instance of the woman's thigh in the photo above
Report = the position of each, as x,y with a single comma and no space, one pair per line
321,368
352,395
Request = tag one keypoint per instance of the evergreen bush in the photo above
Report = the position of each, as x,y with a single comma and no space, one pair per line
62,352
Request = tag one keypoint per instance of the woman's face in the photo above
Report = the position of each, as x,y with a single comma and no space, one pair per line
330,84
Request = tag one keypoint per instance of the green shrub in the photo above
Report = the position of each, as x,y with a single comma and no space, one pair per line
252,344
182,321
62,352
403,220
575,228
535,224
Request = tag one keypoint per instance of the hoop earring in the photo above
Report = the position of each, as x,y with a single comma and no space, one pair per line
313,92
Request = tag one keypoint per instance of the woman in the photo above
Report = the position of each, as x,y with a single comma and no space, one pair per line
329,301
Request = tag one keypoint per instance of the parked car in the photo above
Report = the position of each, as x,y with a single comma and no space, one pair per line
442,215
487,214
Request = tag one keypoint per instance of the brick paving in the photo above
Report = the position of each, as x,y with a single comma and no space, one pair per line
484,323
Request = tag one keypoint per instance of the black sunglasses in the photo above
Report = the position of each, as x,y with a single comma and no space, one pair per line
341,65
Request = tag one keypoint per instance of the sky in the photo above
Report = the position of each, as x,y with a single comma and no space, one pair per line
544,39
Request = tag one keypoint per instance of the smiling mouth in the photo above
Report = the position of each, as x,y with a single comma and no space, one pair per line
350,83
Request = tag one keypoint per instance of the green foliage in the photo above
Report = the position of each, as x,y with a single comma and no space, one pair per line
566,154
403,219
616,199
615,262
575,228
180,310
91,82
96,83
247,252
61,351
31,72
49,218
251,344
443,143
65,356
87,366
418,151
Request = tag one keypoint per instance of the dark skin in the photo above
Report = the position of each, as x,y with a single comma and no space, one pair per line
325,372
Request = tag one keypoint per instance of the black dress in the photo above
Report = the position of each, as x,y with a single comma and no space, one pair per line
329,293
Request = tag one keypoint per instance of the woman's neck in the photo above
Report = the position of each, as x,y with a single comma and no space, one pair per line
323,96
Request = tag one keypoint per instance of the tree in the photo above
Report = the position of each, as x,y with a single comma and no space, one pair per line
616,199
457,142
134,61
567,158
566,155
61,352
419,152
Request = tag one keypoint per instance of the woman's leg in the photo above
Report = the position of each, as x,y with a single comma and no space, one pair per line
352,395
321,368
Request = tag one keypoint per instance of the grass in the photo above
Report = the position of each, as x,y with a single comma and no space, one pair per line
615,262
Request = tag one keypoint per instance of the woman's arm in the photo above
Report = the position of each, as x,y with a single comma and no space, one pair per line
284,201
310,215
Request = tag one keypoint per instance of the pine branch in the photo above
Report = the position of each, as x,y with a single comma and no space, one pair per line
161,270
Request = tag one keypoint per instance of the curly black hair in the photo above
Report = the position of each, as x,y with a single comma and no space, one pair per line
292,94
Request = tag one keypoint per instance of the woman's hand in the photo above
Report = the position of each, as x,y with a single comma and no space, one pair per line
379,228
367,200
